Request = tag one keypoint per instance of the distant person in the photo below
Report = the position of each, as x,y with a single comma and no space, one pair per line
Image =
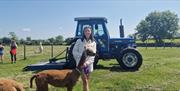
13,47
1,52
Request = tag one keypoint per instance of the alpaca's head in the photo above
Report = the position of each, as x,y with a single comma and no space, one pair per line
84,56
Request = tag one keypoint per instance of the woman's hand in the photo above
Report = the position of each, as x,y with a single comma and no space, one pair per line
84,65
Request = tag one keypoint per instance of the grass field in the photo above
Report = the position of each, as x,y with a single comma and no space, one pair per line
160,71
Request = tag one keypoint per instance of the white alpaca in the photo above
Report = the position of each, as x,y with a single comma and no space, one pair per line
40,47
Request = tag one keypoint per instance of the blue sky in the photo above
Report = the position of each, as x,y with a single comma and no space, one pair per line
42,19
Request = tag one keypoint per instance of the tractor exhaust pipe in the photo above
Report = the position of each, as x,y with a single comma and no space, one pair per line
121,29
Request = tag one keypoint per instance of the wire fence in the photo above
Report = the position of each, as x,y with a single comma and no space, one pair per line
27,51
156,45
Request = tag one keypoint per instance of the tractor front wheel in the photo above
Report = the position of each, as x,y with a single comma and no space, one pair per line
130,60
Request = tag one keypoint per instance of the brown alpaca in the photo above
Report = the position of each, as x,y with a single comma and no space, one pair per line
10,85
58,78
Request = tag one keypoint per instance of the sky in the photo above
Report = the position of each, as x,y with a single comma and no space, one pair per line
43,19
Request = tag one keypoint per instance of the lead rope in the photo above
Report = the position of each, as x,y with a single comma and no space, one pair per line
78,71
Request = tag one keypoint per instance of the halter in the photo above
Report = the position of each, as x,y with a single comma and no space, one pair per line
78,70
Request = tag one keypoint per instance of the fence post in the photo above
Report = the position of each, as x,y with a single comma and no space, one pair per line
52,51
24,51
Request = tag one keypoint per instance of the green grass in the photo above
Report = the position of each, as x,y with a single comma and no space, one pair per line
160,71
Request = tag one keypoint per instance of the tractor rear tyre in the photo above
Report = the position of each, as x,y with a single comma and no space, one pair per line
71,62
130,60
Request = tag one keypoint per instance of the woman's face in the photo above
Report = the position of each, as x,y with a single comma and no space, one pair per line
87,33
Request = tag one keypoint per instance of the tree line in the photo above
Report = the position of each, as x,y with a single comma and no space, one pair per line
57,40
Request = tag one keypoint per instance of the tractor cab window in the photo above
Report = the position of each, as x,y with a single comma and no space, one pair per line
79,30
99,34
98,30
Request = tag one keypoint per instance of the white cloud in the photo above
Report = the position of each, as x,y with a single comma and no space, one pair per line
26,29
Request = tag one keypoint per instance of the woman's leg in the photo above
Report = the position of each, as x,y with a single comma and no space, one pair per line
85,79
14,57
11,57
1,58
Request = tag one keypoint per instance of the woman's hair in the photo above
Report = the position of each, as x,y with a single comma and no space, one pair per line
13,43
91,36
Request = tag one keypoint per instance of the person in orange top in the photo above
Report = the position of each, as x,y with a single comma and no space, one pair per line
13,47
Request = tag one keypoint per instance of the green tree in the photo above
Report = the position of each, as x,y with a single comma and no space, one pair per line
51,40
69,40
13,36
59,39
6,40
158,25
22,41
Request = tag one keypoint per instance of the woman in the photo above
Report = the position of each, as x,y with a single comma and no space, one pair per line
13,47
86,43
1,52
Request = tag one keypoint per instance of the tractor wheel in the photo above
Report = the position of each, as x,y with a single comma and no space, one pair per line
96,59
130,60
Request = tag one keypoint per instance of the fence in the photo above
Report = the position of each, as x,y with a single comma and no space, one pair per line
169,44
27,51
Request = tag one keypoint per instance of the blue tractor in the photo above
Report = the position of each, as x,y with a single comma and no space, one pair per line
122,49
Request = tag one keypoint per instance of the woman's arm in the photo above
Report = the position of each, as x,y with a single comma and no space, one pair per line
76,52
16,45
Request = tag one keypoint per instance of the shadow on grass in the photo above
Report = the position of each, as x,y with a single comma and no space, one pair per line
113,68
